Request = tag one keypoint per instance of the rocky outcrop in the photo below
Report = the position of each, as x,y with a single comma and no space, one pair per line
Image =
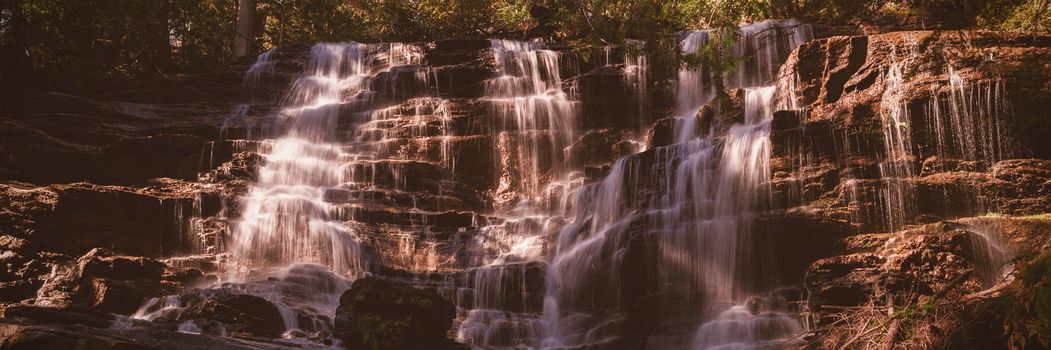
380,314
146,220
28,327
938,279
107,282
968,105
828,154
236,313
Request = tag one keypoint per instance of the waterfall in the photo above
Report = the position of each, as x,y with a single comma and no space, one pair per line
971,120
263,68
286,219
762,47
963,122
536,116
547,267
897,192
967,122
695,200
535,123
636,75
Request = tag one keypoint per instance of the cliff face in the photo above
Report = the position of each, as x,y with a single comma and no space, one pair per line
888,157
956,117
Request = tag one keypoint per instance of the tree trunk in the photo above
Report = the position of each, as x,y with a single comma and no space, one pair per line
18,68
243,32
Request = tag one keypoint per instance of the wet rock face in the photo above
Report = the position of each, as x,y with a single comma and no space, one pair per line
380,314
968,105
838,157
32,327
898,269
128,132
147,220
418,214
106,282
237,313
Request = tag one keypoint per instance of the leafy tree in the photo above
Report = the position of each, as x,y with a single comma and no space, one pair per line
73,44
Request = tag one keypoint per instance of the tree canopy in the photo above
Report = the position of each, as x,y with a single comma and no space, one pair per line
72,44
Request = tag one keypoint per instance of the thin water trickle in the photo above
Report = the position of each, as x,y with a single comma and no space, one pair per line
262,69
636,75
897,190
991,258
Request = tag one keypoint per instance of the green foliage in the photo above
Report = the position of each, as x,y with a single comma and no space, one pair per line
309,21
77,42
1028,16
72,44
1026,306
914,310
377,332
423,303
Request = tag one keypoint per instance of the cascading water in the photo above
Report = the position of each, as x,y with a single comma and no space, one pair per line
965,123
536,117
897,193
743,173
765,44
292,244
263,68
286,218
536,121
969,120
636,74
696,199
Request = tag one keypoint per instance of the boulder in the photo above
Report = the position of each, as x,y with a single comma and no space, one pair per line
721,113
61,315
601,147
662,133
380,314
238,313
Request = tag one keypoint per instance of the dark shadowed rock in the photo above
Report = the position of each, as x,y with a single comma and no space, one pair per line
662,133
106,282
239,313
602,147
25,333
380,314
71,219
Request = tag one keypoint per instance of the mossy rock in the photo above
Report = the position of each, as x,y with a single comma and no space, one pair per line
380,314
